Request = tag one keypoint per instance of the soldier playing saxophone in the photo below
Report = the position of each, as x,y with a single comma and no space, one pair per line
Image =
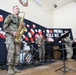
10,26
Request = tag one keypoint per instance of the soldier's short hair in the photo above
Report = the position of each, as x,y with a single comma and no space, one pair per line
15,6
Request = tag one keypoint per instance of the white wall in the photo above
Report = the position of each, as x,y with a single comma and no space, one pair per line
33,12
65,17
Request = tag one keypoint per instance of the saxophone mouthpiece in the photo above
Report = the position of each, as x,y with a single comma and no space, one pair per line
21,12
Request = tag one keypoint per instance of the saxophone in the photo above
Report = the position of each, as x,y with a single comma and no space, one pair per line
20,31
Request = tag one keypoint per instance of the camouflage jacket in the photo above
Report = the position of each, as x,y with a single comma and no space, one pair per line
68,42
11,24
40,42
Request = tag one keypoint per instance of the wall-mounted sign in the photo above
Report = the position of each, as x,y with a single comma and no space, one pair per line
24,2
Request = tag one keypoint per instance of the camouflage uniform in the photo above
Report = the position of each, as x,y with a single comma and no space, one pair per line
68,46
41,48
10,26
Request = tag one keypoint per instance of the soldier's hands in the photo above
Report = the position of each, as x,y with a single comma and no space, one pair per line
15,34
23,23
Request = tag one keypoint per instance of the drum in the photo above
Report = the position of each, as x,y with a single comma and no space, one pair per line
25,58
28,58
26,48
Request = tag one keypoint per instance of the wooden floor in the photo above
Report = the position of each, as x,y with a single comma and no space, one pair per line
48,69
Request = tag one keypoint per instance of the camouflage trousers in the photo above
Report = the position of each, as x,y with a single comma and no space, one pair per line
69,51
41,52
13,52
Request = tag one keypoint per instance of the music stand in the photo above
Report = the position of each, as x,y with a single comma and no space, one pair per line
61,38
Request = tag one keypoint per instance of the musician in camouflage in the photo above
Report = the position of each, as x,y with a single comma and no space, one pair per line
69,48
41,48
10,26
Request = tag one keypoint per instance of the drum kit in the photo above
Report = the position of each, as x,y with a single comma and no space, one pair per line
26,55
